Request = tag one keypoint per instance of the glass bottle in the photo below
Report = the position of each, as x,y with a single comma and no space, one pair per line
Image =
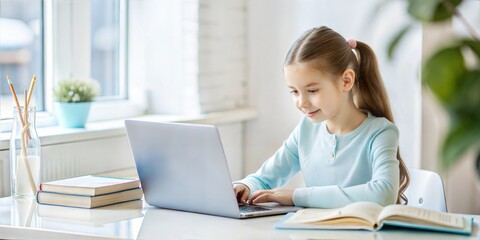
24,164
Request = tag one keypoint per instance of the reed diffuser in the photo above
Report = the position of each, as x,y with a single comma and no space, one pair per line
25,146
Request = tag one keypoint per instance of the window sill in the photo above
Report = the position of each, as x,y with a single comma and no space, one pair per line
106,129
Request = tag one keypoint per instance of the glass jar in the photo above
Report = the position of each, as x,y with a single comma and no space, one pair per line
23,212
24,158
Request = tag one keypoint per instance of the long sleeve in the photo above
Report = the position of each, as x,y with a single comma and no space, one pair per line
338,169
381,149
278,169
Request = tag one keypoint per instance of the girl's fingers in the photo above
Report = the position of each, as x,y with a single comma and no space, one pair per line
267,197
241,192
279,195
244,196
260,197
238,194
256,194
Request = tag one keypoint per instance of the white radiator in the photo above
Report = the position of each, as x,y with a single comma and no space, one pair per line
4,174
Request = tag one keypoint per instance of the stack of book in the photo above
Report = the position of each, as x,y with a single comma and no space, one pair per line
89,191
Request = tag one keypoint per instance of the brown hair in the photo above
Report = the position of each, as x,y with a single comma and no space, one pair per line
327,50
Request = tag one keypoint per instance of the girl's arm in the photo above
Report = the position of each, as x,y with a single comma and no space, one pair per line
382,188
278,169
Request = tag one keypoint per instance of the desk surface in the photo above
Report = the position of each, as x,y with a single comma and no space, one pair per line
23,218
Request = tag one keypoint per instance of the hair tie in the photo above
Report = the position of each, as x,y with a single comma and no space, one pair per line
352,43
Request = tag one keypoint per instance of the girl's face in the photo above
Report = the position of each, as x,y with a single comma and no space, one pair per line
314,93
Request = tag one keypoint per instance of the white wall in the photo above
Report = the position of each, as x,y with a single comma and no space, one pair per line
272,28
157,65
189,55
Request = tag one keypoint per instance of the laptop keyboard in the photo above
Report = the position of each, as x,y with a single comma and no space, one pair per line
250,208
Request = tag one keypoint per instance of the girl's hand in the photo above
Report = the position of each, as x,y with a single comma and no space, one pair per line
282,196
242,192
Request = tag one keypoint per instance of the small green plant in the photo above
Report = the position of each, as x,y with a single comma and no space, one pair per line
75,90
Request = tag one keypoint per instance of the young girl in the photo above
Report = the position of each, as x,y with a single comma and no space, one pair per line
346,145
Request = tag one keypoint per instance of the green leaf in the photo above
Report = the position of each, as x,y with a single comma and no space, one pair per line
464,131
474,45
396,39
464,110
443,71
431,10
462,136
466,101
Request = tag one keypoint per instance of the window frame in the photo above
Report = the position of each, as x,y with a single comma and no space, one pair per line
116,108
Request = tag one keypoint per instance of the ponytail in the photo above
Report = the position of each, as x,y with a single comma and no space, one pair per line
370,94
325,49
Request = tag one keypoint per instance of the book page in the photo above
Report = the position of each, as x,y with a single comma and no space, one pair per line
366,210
89,181
360,213
309,215
89,185
421,216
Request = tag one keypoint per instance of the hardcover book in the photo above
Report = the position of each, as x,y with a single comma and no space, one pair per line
86,201
371,216
89,185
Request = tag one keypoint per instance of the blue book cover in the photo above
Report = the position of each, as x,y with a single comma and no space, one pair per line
467,230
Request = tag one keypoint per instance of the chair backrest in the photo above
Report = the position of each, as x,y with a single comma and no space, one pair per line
426,190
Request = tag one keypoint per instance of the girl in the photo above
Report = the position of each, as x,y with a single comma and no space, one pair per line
346,145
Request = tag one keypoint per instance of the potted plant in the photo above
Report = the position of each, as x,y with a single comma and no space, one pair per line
72,101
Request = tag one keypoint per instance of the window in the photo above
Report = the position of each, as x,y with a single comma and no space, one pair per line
108,40
21,51
88,39
62,39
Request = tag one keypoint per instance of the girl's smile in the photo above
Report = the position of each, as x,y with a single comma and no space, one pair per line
311,114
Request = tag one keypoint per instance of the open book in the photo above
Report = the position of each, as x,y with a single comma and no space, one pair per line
371,216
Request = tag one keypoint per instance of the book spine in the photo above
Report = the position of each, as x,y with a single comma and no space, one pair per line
38,192
41,185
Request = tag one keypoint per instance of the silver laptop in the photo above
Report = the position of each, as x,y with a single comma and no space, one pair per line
183,167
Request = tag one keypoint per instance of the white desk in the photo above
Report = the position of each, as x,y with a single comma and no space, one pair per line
134,220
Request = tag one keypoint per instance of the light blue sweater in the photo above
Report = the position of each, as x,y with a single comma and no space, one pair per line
338,170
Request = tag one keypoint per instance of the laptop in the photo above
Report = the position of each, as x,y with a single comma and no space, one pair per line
183,167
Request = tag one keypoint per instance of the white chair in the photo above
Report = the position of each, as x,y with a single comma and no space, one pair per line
426,190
